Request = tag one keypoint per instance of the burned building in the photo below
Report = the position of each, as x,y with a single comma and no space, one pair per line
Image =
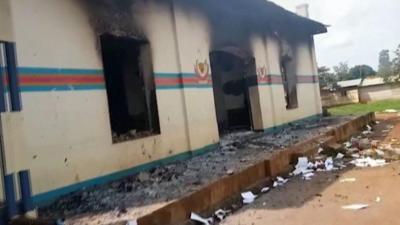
99,90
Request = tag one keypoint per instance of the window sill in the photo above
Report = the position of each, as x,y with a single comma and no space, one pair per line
138,136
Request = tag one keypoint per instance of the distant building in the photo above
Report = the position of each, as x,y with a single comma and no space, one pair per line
360,90
105,89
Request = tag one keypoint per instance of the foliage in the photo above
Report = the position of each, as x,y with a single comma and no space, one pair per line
385,65
361,71
396,64
326,77
378,106
342,71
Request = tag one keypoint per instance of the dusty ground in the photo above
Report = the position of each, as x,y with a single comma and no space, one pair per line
138,195
320,200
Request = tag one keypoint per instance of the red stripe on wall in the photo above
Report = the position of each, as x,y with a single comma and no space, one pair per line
60,79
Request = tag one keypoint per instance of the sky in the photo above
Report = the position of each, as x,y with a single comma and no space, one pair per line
359,30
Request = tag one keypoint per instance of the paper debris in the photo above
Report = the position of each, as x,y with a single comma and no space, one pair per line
301,166
369,128
329,164
368,162
355,155
308,176
195,217
221,214
248,197
280,182
347,144
264,190
131,222
348,180
366,132
320,150
378,199
390,111
339,156
355,206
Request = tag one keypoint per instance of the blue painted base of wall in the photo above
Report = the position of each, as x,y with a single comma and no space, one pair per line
49,197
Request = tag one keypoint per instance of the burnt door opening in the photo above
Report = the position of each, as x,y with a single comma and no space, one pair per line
231,95
130,87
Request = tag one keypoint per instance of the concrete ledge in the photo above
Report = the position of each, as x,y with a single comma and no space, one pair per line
217,193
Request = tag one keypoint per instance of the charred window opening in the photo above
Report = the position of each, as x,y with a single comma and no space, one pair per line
231,91
289,81
130,88
288,72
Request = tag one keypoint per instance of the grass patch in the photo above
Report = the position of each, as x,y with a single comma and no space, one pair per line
355,109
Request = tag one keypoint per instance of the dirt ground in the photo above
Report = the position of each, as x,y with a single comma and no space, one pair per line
143,193
320,200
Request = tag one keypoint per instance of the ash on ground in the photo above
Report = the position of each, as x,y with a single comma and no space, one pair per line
140,194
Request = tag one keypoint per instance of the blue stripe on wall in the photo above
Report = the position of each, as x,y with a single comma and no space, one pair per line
62,88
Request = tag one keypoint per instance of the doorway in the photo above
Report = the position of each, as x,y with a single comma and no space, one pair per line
230,73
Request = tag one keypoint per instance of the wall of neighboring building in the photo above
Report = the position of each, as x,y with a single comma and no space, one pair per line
340,97
65,126
379,92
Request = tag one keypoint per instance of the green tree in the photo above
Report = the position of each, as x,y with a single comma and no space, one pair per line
361,71
396,64
342,71
385,65
326,77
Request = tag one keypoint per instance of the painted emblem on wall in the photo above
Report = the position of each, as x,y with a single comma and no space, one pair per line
262,74
202,70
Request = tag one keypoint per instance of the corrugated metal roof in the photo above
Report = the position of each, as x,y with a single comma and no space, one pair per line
349,83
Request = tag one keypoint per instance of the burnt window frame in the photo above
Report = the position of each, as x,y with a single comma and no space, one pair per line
291,103
9,78
150,96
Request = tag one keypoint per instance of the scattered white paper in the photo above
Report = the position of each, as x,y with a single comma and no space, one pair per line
200,219
320,150
131,222
378,199
282,180
308,176
355,155
355,206
369,128
368,162
367,132
347,144
302,165
248,197
329,164
221,214
348,180
265,189
339,156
